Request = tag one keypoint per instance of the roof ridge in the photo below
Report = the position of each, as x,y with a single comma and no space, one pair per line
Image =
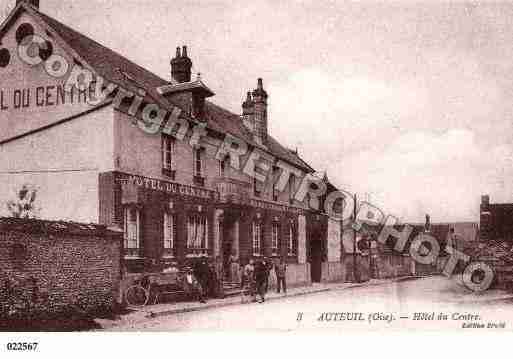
68,28
108,63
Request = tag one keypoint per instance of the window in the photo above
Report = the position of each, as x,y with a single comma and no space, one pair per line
198,165
275,239
223,166
291,241
169,235
257,188
275,179
257,238
131,232
198,178
292,188
197,234
168,148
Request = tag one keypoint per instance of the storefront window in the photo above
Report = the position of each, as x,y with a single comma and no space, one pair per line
257,238
169,235
275,239
197,234
132,232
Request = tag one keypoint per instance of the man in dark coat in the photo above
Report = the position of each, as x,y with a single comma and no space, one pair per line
261,274
201,272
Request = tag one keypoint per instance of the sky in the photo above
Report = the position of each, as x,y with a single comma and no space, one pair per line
407,104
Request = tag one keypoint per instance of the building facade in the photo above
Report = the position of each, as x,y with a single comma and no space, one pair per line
496,221
174,196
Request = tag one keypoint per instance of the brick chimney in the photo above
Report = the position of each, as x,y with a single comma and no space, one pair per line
260,113
248,113
33,3
485,200
181,66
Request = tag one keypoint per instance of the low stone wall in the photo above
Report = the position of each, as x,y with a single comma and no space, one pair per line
391,265
333,272
361,271
51,268
503,278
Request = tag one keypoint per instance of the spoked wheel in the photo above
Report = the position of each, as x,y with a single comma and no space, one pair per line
137,296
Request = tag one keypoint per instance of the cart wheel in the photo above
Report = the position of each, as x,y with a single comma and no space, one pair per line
136,296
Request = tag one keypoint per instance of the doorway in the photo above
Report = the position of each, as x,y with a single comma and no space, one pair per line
316,261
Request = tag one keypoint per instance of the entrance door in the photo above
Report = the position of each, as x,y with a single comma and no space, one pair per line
316,261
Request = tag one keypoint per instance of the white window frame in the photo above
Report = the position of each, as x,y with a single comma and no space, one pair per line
223,166
168,152
169,234
291,240
132,232
275,238
257,239
197,158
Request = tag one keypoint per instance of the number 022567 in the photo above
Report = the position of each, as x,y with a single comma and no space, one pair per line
22,346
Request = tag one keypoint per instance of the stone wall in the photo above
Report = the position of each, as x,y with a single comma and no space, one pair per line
333,272
51,268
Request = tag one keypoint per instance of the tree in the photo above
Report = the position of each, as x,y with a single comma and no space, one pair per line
25,204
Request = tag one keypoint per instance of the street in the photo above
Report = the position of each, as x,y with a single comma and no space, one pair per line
426,303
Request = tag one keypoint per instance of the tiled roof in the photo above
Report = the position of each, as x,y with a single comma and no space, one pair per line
115,68
36,226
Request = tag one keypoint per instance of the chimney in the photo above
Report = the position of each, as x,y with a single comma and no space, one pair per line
260,113
33,3
485,201
181,66
248,113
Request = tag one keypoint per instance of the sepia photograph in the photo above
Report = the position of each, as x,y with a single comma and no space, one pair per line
291,166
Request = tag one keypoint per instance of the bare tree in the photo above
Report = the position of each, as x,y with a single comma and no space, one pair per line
25,204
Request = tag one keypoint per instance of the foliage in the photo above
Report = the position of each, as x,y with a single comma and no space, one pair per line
25,204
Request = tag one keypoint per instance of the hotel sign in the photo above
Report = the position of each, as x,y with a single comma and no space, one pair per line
168,187
42,96
275,206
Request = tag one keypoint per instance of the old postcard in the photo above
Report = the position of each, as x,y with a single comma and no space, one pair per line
304,166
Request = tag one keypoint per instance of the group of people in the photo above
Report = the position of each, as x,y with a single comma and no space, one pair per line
204,277
255,277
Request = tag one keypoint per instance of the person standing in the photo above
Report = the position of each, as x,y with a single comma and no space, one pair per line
234,268
260,279
281,272
249,277
268,265
220,276
201,273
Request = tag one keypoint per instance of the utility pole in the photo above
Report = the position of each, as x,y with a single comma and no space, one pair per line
354,239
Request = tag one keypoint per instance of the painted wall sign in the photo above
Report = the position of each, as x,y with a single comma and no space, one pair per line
41,96
170,187
274,206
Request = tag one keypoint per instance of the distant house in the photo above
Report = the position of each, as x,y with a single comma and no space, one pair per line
496,220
